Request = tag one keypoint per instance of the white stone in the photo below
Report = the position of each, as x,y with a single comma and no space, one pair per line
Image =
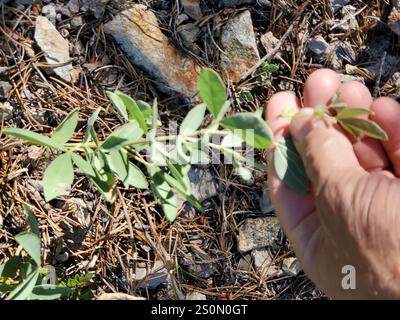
55,47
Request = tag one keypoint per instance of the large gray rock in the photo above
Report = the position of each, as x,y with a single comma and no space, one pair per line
136,31
258,233
55,47
239,43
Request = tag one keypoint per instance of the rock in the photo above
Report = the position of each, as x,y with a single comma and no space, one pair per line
97,7
76,22
203,184
71,8
50,11
349,21
320,48
291,266
5,88
6,111
192,8
258,233
239,43
390,65
393,85
137,31
335,5
265,3
394,18
263,263
269,41
188,33
343,52
54,46
245,263
265,200
232,3
181,19
346,78
195,296
118,296
151,279
197,262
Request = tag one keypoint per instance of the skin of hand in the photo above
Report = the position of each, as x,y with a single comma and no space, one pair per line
352,215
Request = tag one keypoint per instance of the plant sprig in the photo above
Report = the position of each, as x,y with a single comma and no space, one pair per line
120,156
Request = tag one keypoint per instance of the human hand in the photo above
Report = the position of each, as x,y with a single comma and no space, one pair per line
352,215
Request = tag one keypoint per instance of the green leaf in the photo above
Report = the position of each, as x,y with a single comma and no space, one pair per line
66,129
193,120
251,129
104,181
58,177
31,244
164,193
83,165
33,137
90,134
24,289
134,111
352,112
136,177
118,104
260,112
122,136
223,110
368,127
118,164
212,90
33,223
10,268
289,166
48,292
180,173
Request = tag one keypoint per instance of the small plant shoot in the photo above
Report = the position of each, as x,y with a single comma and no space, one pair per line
135,154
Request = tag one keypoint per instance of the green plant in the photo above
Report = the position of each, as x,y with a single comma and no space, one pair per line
22,277
120,155
80,287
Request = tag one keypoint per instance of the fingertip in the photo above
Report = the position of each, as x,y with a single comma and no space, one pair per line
320,87
276,106
279,102
355,95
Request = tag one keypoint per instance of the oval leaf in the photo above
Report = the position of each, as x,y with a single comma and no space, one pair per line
33,223
212,90
368,127
66,129
289,166
353,112
33,137
193,120
83,165
25,288
134,111
251,129
31,244
122,136
58,176
118,104
164,193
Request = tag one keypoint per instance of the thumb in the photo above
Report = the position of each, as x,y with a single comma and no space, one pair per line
326,152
